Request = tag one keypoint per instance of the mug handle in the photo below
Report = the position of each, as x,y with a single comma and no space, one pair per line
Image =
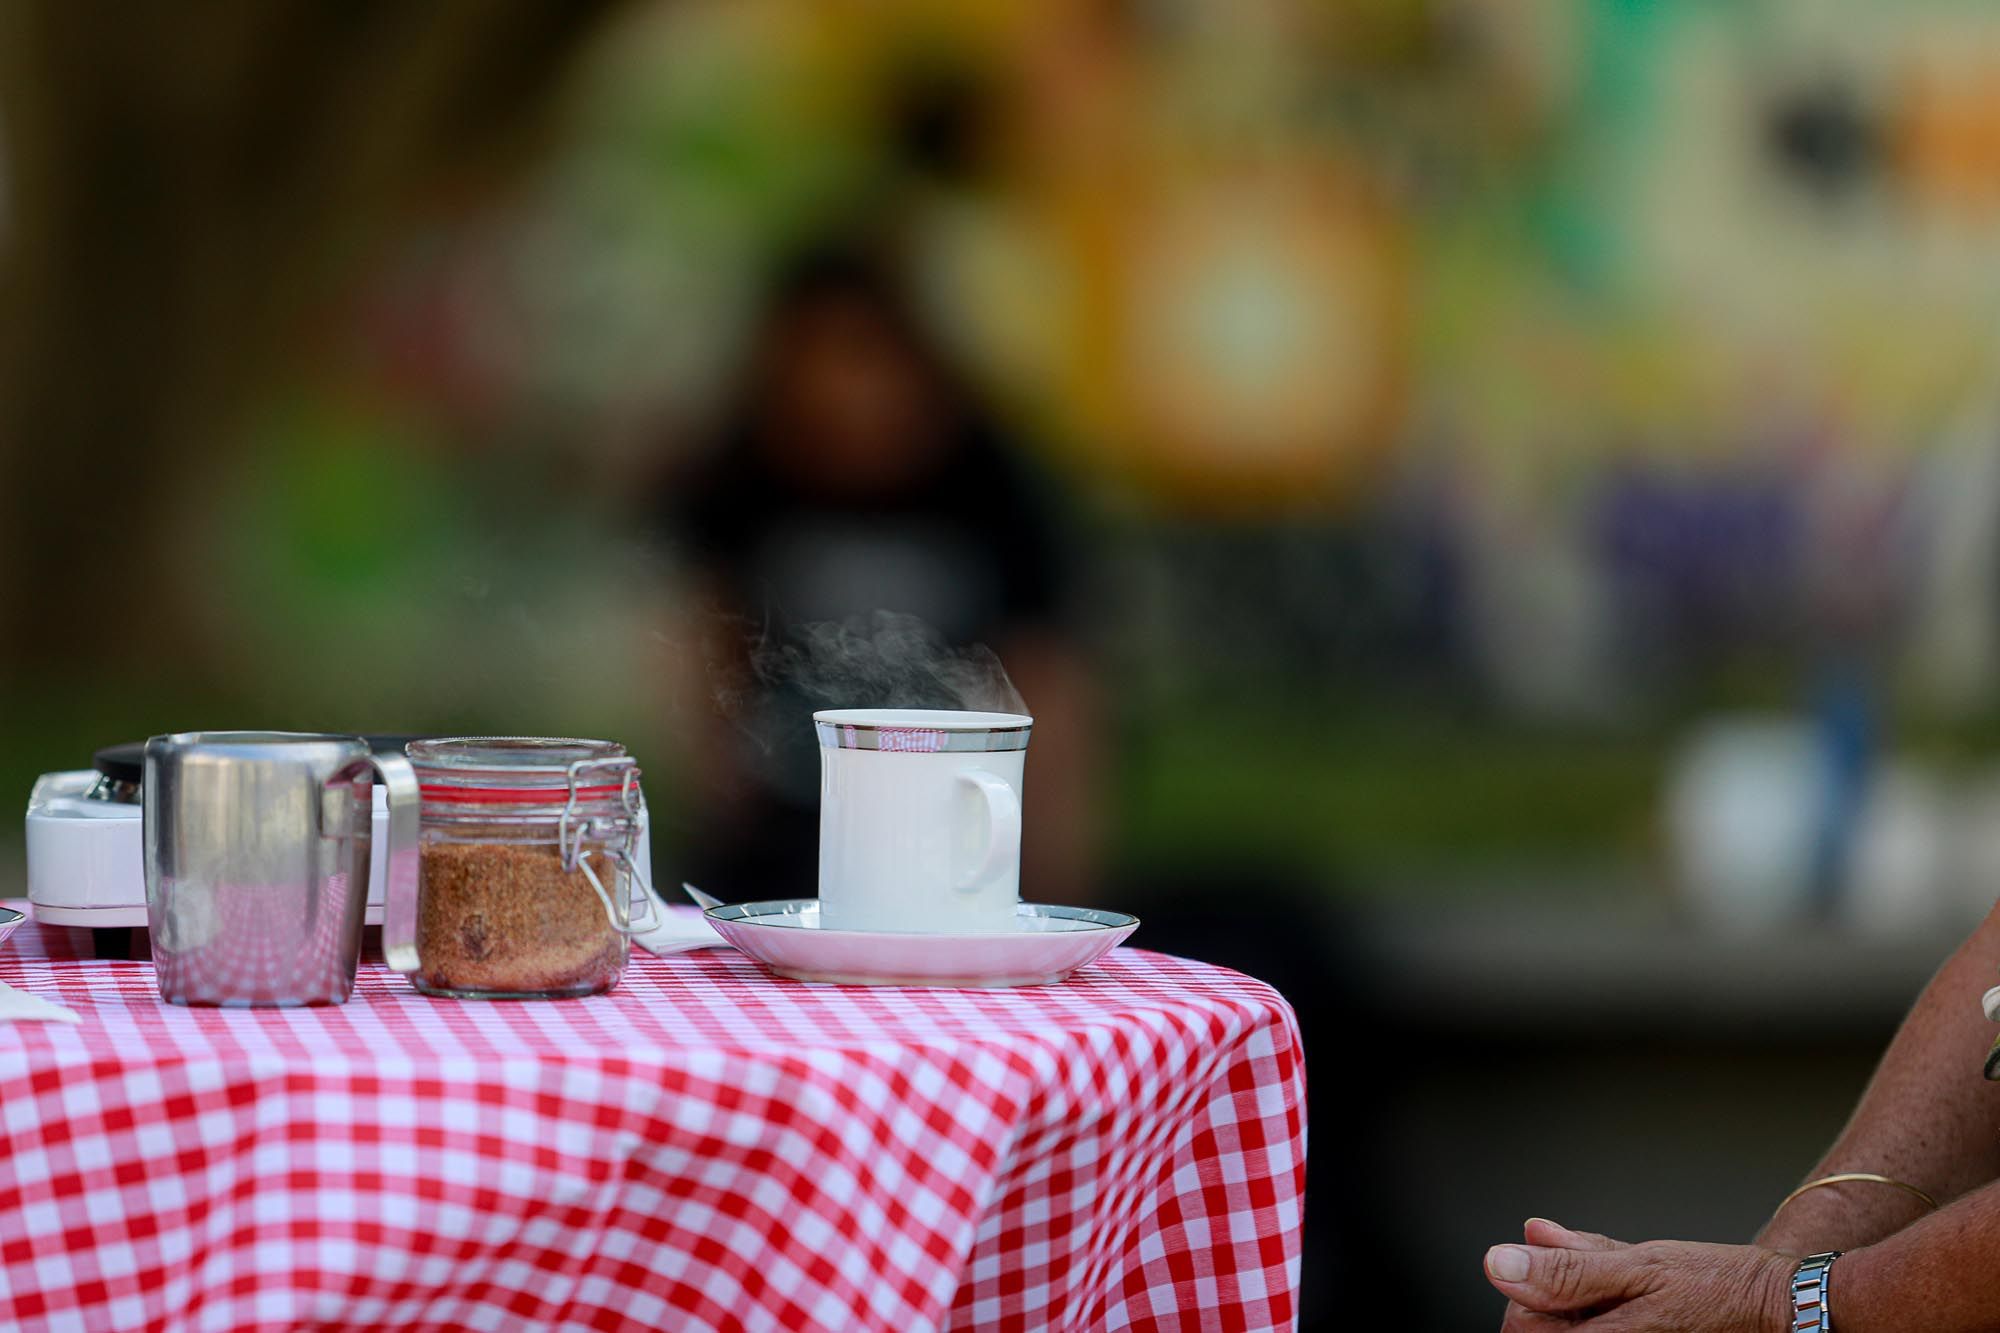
1003,828
399,895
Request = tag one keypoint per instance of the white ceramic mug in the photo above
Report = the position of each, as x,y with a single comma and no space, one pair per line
920,819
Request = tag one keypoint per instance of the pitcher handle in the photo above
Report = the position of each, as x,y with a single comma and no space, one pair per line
399,894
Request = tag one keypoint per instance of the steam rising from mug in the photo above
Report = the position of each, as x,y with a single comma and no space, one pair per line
886,659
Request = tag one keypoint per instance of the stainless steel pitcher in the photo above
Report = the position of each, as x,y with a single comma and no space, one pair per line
257,847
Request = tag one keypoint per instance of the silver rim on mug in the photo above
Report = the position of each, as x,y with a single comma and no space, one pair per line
914,738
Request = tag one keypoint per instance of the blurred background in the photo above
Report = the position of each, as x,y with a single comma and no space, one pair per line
1494,505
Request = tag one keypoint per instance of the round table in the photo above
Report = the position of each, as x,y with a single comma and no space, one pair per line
706,1147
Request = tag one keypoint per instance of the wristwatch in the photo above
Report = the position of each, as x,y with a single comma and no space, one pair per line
1811,1281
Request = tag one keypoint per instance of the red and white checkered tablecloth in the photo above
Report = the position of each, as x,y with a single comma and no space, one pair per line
704,1148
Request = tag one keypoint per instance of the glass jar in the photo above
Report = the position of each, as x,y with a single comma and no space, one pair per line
526,868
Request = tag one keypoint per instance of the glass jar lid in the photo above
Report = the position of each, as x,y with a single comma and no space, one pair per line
587,790
521,770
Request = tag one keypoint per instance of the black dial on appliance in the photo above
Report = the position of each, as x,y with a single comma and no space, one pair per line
121,763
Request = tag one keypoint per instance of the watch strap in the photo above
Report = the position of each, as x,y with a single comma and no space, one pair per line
1811,1282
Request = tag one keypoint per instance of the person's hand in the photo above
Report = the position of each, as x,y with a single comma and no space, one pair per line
1573,1280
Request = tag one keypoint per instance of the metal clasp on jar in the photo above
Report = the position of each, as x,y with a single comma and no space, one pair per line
571,834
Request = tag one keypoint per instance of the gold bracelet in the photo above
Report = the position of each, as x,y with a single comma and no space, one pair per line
1864,1177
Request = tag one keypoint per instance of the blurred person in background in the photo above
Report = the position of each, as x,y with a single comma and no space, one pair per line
858,483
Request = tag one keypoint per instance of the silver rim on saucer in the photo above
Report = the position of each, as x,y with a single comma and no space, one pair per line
790,914
1048,945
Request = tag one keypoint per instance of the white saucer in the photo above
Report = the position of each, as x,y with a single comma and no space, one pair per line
1045,946
9,918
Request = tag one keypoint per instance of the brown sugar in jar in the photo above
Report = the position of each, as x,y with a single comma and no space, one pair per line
514,830
495,918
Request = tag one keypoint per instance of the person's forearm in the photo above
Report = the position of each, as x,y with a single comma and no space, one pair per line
1839,1217
1927,1117
1941,1275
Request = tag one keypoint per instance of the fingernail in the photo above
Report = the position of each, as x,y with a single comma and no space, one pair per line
1507,1263
1550,1223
